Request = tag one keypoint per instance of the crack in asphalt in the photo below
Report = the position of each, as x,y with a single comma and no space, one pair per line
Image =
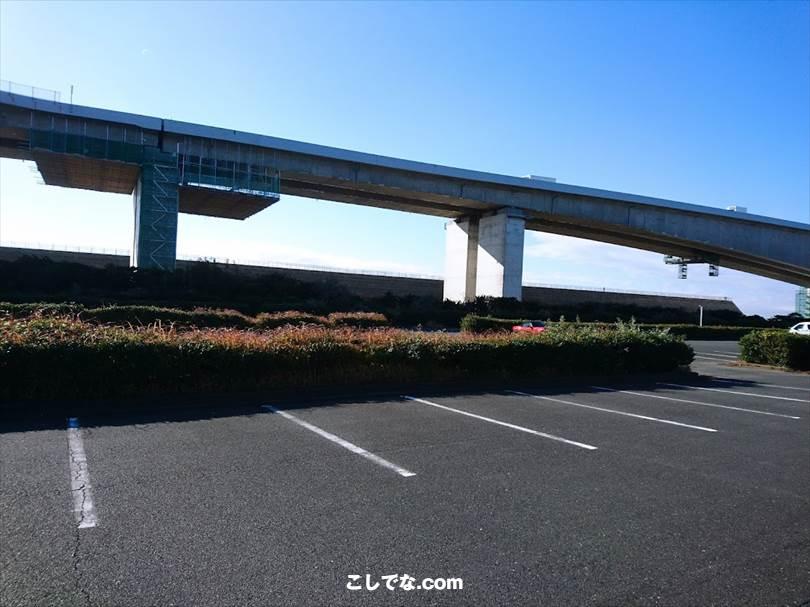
79,466
81,470
77,574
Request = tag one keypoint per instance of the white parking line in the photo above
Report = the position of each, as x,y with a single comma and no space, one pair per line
500,423
714,356
646,417
694,402
82,492
343,443
719,360
798,400
718,353
733,381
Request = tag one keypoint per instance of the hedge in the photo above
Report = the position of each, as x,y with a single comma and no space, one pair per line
274,320
147,315
363,320
705,332
481,324
64,358
24,310
777,347
473,323
135,315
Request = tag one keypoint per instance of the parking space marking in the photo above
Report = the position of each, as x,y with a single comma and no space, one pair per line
720,360
343,443
798,400
504,424
80,489
733,381
694,402
718,353
637,416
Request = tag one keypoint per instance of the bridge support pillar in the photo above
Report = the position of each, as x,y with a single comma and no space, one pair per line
155,201
500,254
484,256
460,259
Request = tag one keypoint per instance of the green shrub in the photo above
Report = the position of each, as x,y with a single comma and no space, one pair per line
24,310
472,323
481,324
777,347
148,315
361,320
274,320
200,318
69,358
705,332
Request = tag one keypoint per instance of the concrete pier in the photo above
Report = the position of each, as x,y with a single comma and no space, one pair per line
155,203
500,254
484,256
460,259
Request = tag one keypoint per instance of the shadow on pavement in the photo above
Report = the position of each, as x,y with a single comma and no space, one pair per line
49,415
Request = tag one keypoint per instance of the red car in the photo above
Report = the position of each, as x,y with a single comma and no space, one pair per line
530,326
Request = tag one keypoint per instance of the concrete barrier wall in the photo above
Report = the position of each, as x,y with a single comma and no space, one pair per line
367,285
555,297
364,285
96,260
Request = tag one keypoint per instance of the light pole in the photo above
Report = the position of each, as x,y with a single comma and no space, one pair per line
700,317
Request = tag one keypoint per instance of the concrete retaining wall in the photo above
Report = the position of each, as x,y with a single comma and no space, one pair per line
554,297
366,285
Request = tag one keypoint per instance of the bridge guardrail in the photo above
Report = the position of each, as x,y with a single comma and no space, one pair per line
16,88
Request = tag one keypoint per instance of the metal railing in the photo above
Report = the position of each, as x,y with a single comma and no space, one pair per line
95,147
228,175
267,263
285,265
16,88
45,246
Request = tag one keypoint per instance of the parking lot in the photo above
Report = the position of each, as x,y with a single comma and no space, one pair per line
686,492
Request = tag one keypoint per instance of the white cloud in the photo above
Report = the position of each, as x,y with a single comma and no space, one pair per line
567,248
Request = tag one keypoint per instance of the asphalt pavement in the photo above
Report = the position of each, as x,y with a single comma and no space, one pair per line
692,491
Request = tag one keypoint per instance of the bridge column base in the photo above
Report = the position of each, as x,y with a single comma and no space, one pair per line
484,256
155,201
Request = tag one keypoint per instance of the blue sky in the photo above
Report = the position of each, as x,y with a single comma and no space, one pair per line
700,102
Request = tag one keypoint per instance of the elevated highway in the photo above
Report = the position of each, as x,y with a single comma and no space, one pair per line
176,167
